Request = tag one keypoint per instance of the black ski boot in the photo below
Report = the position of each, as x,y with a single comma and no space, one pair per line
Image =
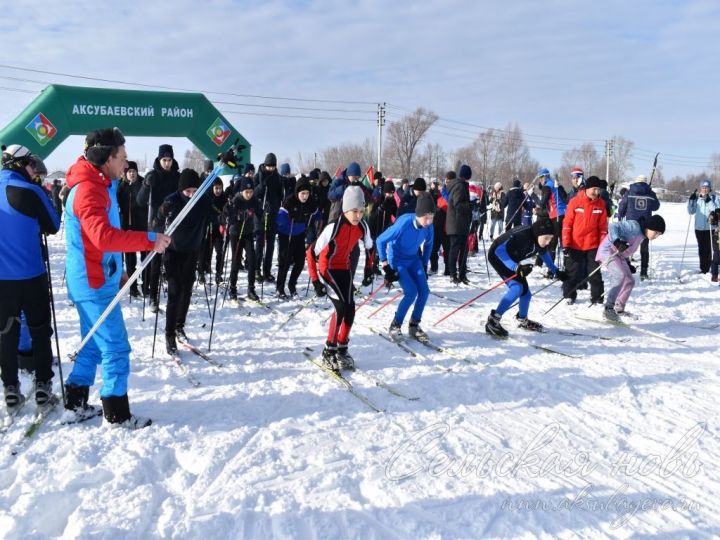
493,326
417,333
170,344
232,294
13,397
116,410
344,359
527,324
280,295
76,404
252,295
329,358
395,331
180,334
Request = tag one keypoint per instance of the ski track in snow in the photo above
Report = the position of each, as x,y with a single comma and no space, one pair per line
269,446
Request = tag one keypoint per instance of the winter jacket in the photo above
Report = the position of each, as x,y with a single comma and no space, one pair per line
158,184
514,200
320,195
701,207
217,205
336,192
383,216
399,244
268,189
93,236
294,217
585,223
189,235
133,216
407,204
26,212
552,201
518,245
459,213
628,230
497,201
241,213
639,201
335,244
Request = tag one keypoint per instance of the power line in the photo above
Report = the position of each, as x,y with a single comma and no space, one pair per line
303,117
295,108
176,89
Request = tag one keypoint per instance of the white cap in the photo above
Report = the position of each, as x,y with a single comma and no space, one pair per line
641,178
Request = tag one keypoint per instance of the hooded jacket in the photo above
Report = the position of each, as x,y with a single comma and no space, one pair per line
459,212
639,201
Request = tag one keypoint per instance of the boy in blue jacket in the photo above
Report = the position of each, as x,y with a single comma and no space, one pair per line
399,252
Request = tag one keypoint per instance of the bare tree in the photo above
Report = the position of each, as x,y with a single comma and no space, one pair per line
715,166
585,156
620,162
403,138
333,157
194,159
432,161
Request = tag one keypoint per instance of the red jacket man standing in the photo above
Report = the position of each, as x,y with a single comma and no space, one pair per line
584,227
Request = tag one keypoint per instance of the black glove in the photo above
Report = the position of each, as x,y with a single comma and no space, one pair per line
621,245
707,198
390,275
562,275
367,279
228,158
319,288
631,266
713,217
524,270
566,252
693,197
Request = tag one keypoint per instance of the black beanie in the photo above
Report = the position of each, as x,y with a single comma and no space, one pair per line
165,150
188,179
314,175
246,183
655,223
325,176
249,167
542,227
270,159
425,205
388,187
592,182
377,175
302,185
99,145
131,166
419,184
209,165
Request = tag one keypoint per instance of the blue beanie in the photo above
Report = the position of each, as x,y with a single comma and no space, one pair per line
354,169
543,172
705,183
285,169
465,172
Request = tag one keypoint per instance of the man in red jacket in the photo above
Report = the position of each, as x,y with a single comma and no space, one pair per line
584,226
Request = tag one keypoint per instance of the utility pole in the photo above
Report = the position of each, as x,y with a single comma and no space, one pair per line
380,124
608,153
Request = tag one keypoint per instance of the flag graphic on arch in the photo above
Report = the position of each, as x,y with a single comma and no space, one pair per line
41,129
218,132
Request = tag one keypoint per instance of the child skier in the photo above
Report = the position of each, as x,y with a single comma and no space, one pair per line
332,249
293,221
398,249
241,213
622,240
506,255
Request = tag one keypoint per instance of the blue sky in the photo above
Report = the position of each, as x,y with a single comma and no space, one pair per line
564,71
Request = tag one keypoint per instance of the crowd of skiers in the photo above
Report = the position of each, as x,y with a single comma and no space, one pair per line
316,219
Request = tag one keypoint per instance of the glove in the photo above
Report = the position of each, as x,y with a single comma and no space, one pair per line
566,252
713,217
707,198
630,265
228,158
320,289
562,275
693,197
524,270
621,245
390,275
367,278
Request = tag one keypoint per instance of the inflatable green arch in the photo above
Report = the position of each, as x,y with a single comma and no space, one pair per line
60,111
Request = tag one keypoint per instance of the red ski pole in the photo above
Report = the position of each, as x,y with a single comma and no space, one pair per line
398,295
370,296
473,299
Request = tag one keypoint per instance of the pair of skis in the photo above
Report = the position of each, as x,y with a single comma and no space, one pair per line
182,366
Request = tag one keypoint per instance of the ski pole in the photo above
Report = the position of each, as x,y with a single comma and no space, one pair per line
541,289
294,313
487,266
370,296
398,295
687,233
157,313
475,298
171,229
54,317
217,288
575,288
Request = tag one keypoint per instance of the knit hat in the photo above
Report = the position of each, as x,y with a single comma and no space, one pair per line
542,227
641,178
246,183
188,179
577,171
353,199
516,182
543,172
388,187
131,166
302,185
249,167
419,184
705,183
377,175
353,169
592,182
425,205
655,223
314,175
497,186
285,169
100,144
165,150
465,172
270,159
208,165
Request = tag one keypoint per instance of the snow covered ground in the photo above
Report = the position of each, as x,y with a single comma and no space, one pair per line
621,441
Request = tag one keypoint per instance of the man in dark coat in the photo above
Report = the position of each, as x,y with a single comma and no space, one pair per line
639,201
269,191
133,217
457,222
514,199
